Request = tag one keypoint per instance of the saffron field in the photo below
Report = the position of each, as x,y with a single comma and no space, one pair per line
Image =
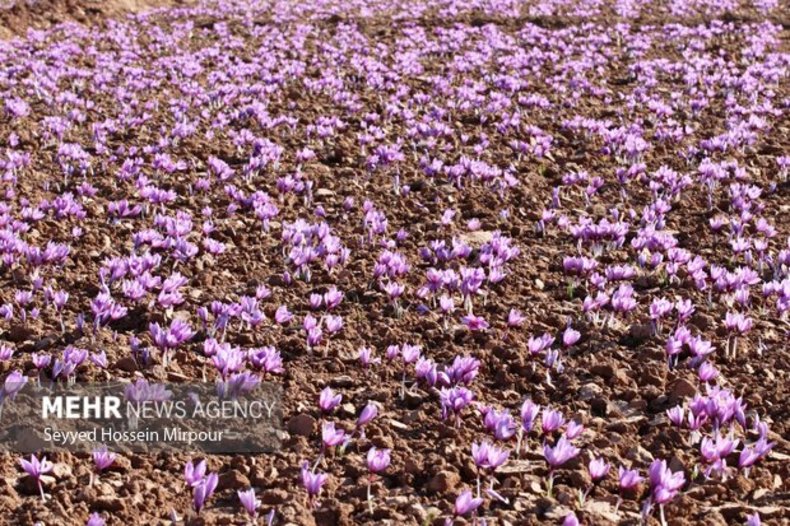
511,262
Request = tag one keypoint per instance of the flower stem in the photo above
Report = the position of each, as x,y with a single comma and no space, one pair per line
41,490
370,498
550,484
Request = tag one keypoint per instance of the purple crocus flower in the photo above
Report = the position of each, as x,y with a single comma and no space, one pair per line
463,370
35,468
95,520
675,415
283,316
14,383
562,452
465,503
103,459
316,300
475,323
426,370
378,460
6,352
332,298
328,400
446,304
392,352
312,482
753,520
515,318
41,361
168,339
664,483
628,478
570,337
333,323
410,353
268,359
249,501
454,400
99,359
573,430
707,372
715,450
500,423
488,456
330,436
194,474
551,421
598,469
366,357
750,455
314,337
369,412
529,412
203,490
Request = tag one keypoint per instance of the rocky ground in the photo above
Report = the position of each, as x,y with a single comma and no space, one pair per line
427,139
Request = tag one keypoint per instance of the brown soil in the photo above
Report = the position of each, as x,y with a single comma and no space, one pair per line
615,382
19,16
